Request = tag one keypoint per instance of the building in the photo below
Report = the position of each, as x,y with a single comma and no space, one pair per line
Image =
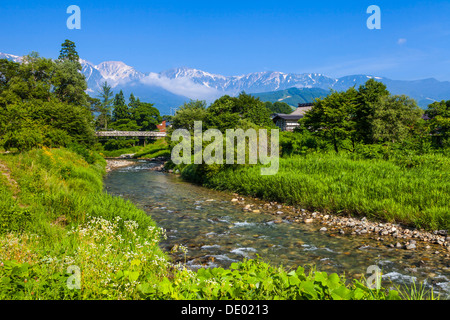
288,122
162,126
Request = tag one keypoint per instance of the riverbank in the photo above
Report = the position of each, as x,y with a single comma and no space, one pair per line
392,235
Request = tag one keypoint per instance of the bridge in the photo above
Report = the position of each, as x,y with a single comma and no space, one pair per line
134,134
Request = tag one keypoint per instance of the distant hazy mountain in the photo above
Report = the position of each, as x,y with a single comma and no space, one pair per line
171,88
293,96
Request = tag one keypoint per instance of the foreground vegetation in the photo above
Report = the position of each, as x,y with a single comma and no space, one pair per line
57,217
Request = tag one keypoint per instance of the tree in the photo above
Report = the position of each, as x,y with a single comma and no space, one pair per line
395,118
69,52
188,113
278,107
43,103
333,118
146,116
120,111
439,122
105,93
369,96
34,79
226,112
69,83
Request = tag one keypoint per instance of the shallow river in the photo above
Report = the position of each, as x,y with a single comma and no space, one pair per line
217,232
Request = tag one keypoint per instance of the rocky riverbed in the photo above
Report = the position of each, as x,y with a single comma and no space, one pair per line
112,164
392,235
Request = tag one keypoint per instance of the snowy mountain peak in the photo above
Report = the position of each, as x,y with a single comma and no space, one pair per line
174,85
10,57
117,71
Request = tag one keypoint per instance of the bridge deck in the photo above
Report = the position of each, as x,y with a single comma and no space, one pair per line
130,134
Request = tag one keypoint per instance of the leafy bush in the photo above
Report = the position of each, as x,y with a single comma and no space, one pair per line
256,280
117,144
13,219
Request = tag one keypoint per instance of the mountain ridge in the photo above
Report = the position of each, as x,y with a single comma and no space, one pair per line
170,88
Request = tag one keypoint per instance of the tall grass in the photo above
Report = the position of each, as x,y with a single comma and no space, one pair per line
156,149
414,192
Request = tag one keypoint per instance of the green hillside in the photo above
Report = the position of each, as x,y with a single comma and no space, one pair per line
292,96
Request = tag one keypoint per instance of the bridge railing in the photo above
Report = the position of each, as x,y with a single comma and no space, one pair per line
130,134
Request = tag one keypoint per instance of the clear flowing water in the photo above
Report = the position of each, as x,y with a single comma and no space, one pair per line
218,232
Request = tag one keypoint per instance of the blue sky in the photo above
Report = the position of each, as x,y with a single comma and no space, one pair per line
238,37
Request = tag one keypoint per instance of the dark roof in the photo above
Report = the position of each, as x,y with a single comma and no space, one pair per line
287,116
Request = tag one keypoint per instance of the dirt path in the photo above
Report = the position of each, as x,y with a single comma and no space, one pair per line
6,172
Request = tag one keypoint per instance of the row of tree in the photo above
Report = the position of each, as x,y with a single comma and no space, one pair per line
115,113
243,111
371,115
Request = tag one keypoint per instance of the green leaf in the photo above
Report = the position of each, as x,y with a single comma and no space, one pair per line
341,293
136,262
308,288
294,280
393,295
133,275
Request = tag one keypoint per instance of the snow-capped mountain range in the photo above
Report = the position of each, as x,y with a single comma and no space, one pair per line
171,88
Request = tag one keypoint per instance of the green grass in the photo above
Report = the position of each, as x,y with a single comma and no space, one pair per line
415,191
156,149
119,152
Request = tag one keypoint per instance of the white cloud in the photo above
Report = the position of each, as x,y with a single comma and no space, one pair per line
401,41
182,86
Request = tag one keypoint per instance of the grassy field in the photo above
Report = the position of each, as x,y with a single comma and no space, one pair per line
414,191
63,237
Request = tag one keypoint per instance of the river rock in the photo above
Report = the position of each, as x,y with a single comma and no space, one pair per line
410,246
323,229
308,221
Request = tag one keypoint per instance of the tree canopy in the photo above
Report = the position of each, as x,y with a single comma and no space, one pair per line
43,103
